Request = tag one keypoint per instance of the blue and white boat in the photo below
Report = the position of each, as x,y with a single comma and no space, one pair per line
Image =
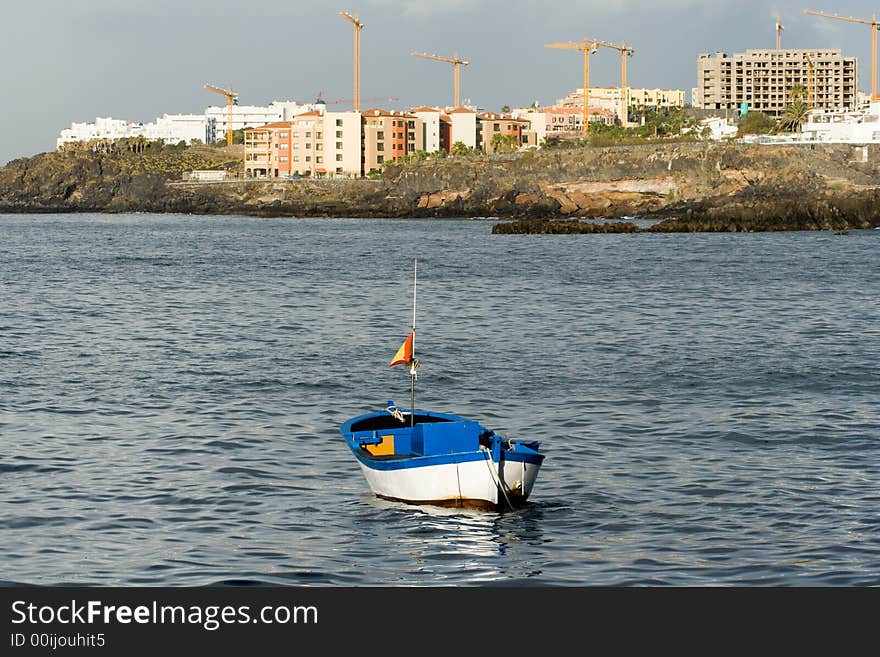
426,457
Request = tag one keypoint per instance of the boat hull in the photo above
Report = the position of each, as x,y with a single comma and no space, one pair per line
475,483
442,459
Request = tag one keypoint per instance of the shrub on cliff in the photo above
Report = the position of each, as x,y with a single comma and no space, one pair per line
756,123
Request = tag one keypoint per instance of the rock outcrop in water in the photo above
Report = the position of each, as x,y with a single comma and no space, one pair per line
687,187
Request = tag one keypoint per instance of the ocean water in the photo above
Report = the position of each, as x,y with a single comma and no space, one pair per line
171,390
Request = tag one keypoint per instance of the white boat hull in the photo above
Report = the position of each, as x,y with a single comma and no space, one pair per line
471,483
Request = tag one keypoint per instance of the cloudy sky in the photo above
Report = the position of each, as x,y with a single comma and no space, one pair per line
73,60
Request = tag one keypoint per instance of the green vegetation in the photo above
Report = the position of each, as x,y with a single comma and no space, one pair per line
137,155
662,125
756,123
504,143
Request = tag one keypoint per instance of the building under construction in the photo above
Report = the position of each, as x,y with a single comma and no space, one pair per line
763,80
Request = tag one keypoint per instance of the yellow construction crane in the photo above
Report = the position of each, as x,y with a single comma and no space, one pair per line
625,51
456,63
231,97
588,47
874,25
358,26
811,80
340,101
779,28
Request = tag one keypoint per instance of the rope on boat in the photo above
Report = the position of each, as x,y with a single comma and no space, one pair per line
495,477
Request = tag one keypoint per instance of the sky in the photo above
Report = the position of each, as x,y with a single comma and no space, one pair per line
64,61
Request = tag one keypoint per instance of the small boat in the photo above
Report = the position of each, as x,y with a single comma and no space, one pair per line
427,457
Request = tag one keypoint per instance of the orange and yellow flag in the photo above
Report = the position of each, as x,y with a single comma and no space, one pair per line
404,355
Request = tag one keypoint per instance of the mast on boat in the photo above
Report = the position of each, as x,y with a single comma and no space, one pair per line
414,363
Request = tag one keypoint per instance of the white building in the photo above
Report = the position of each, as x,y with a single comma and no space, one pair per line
430,118
719,128
860,127
176,128
252,116
464,126
104,128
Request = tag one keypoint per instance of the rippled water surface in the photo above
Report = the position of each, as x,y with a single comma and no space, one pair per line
171,389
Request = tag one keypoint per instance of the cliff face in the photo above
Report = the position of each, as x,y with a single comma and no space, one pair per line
703,186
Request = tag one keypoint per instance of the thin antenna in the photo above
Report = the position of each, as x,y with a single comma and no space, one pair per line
415,364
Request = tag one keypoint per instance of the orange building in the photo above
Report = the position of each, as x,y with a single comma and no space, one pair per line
267,150
388,136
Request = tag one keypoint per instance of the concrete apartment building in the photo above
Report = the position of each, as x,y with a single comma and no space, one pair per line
762,79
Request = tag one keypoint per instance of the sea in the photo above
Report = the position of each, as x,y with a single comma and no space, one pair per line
172,387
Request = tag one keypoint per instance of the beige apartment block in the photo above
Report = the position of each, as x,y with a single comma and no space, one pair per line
342,145
490,124
307,145
763,79
608,98
388,136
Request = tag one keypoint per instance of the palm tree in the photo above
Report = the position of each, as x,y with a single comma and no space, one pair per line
797,92
798,109
795,115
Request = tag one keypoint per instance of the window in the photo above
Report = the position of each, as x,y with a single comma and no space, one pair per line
380,135
319,147
411,136
319,159
296,158
339,157
308,145
283,158
296,146
339,123
339,134
338,145
496,127
282,135
338,169
319,135
308,158
283,147
380,147
295,134
380,159
308,135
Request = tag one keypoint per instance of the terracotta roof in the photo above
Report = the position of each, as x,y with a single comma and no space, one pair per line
311,113
461,110
279,124
425,109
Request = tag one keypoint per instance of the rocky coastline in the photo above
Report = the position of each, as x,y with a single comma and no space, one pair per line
688,187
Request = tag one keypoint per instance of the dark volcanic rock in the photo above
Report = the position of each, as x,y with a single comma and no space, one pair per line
548,227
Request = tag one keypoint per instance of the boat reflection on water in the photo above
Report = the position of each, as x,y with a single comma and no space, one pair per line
448,542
